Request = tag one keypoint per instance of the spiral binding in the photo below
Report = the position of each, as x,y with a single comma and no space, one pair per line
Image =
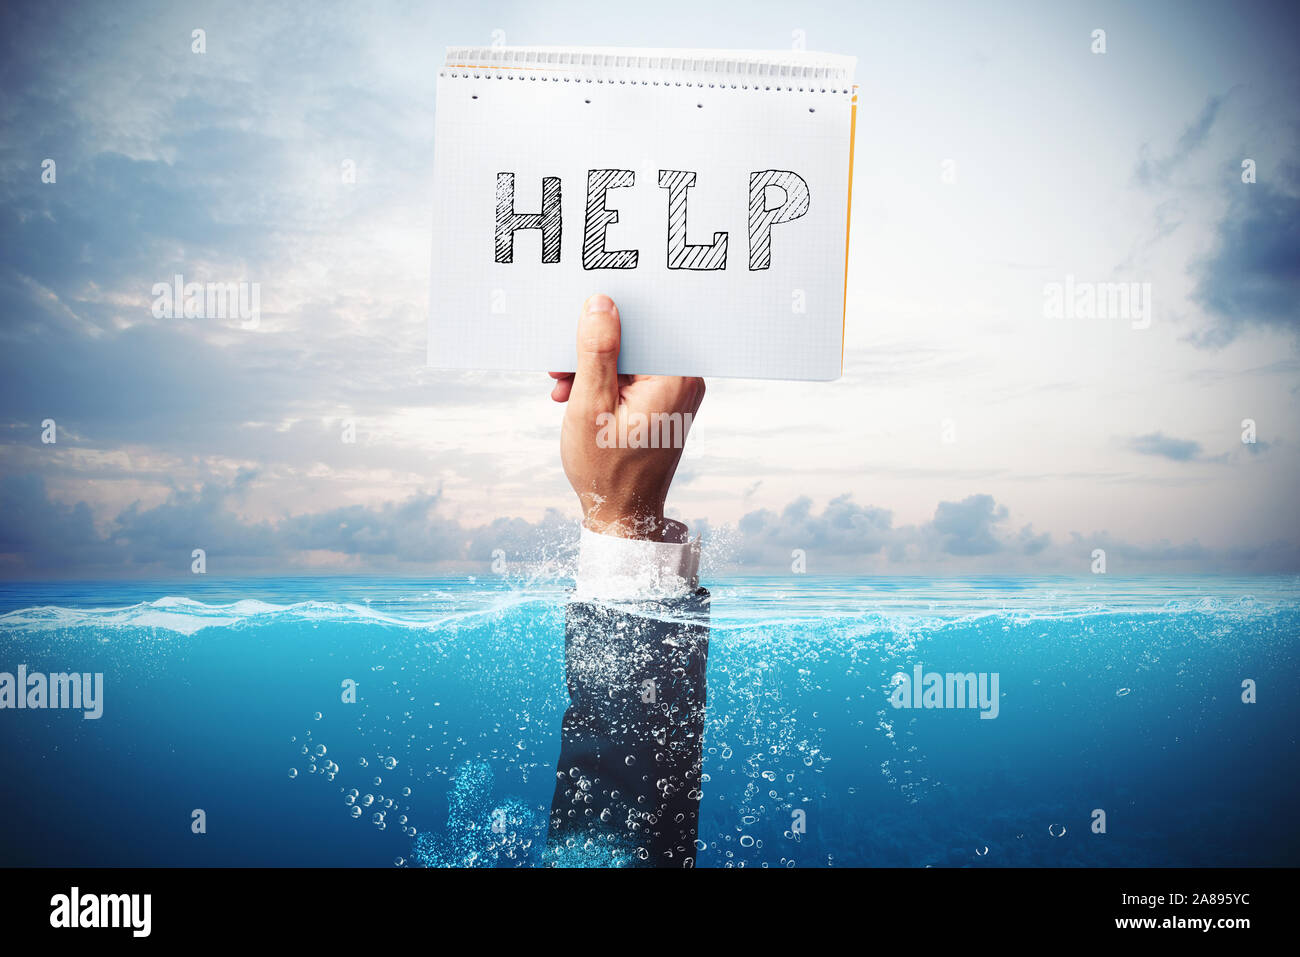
785,70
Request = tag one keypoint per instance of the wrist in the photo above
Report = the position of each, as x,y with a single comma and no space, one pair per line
647,524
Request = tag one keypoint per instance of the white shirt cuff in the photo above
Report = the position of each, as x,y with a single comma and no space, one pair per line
632,569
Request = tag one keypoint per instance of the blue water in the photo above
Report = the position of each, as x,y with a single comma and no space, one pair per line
1124,696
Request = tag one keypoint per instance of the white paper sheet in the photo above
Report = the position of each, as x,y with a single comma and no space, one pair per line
770,308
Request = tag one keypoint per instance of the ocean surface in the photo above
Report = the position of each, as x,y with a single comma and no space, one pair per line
1118,696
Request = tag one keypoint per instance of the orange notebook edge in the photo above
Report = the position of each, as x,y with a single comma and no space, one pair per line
848,217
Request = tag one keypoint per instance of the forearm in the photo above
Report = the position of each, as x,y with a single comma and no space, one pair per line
628,776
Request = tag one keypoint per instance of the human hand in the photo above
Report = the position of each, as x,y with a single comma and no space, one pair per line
606,441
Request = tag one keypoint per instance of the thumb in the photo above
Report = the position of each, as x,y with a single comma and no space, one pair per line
595,384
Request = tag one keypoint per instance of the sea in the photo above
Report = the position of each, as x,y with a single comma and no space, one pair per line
365,722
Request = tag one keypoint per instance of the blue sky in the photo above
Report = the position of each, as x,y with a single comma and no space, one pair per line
970,433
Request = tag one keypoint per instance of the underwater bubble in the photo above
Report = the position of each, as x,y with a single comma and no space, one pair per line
320,750
390,763
362,762
982,851
378,780
318,716
1122,692
629,760
399,861
293,772
378,817
1052,830
368,800
356,811
406,792
746,841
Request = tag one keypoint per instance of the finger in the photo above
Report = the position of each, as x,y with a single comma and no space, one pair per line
595,384
562,389
667,393
699,393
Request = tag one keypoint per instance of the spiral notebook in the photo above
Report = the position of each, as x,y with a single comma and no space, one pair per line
706,191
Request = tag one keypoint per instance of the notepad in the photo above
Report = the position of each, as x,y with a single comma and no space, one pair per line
706,191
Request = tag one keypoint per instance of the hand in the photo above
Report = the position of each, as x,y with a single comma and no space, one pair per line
621,490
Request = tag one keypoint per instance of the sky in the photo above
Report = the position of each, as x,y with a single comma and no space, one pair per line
973,431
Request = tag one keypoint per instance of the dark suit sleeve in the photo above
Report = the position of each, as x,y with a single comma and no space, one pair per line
627,783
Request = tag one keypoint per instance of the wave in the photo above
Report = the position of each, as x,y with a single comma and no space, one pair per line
734,610
185,616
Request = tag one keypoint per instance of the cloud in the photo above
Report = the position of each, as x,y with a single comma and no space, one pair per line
40,535
1159,444
1031,544
1253,275
1151,172
419,535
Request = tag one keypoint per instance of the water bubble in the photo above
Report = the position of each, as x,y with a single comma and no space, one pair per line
320,750
293,772
982,851
1122,692
1052,830
629,760
318,716
356,811
746,841
390,763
